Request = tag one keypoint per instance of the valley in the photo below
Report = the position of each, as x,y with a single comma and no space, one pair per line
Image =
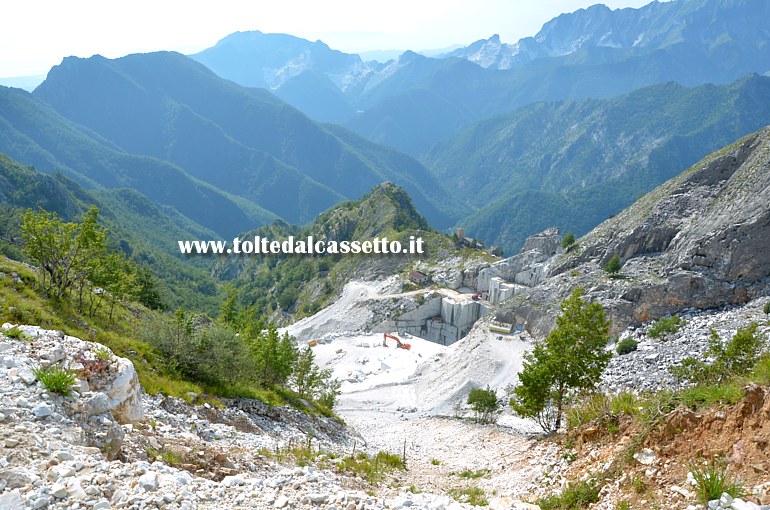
586,324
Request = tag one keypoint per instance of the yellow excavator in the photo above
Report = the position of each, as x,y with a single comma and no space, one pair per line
399,343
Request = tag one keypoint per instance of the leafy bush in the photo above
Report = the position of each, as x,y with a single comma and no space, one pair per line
311,382
734,358
613,267
101,352
484,404
211,355
574,497
568,241
712,480
665,326
56,379
766,308
627,345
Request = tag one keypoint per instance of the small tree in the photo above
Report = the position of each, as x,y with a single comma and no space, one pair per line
273,355
613,267
766,308
484,404
568,241
572,357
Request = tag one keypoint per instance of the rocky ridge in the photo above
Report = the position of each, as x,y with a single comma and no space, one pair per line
697,241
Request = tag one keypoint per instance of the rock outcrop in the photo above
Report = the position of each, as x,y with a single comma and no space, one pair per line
698,241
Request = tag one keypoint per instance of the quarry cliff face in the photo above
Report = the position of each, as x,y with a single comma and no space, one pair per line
700,240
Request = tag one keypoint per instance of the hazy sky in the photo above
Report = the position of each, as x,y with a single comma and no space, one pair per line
37,34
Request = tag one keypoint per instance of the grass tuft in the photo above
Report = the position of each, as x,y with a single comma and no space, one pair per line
574,497
712,480
56,379
473,495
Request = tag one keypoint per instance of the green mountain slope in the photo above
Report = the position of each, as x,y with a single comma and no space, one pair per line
245,141
136,226
34,134
572,164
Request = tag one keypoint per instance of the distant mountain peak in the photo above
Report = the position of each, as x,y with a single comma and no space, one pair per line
693,25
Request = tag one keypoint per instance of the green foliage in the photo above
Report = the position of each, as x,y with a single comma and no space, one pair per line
572,357
168,457
473,495
435,462
602,409
665,326
568,241
761,370
626,345
147,292
484,404
766,308
14,333
311,382
734,358
273,355
372,468
56,379
574,497
613,266
56,247
713,479
706,395
472,475
102,353
211,355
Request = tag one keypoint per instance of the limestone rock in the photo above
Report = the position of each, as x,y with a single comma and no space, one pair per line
125,393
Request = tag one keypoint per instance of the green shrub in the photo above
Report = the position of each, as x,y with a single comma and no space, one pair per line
706,395
627,345
613,267
735,358
15,333
470,474
484,404
435,462
712,480
56,379
665,326
766,308
568,241
372,468
575,496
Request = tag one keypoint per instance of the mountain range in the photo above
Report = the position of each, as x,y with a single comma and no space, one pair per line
572,164
414,101
563,129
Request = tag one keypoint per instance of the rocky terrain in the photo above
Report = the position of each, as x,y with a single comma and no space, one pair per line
697,241
109,445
